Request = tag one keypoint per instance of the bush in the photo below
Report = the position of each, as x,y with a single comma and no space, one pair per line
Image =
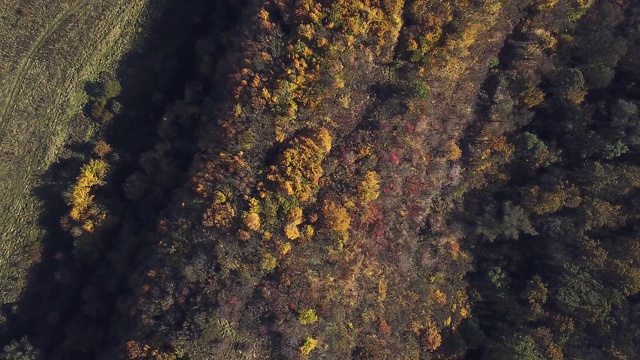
308,346
111,89
307,317
420,89
115,106
102,149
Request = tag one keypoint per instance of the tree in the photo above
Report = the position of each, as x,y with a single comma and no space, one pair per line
432,337
307,317
534,151
251,220
569,84
20,350
369,188
515,220
308,346
582,297
336,216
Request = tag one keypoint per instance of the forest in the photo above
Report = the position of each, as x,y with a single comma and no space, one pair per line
349,179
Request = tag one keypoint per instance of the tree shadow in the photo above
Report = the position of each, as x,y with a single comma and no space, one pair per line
73,296
50,288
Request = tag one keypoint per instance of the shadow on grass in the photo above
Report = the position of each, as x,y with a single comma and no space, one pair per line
72,306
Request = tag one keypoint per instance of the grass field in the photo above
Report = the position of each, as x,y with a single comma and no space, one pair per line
48,50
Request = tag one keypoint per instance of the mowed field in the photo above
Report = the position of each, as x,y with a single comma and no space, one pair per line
48,50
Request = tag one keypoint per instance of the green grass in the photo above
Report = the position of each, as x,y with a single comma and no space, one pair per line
48,50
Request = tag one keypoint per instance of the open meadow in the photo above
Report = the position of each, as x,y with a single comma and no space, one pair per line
48,51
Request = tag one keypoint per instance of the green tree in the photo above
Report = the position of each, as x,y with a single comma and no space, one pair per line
516,347
534,151
569,84
583,297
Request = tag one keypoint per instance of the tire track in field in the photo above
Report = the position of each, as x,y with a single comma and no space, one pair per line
89,57
29,57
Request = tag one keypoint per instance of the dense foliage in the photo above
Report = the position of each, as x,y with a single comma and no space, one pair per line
553,214
393,179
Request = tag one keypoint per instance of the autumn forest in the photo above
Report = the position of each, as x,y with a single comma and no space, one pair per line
348,179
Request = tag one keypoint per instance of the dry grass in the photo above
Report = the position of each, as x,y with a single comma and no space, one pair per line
48,50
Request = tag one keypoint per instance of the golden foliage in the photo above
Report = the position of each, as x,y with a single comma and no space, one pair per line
244,235
454,248
291,231
93,173
554,352
537,293
532,96
254,205
439,297
307,317
464,312
369,188
546,39
295,216
593,252
322,137
251,220
299,169
308,346
547,4
83,210
603,213
219,197
286,188
138,351
336,217
219,215
284,248
545,202
309,231
268,263
264,20
432,337
581,7
382,290
576,95
496,151
453,151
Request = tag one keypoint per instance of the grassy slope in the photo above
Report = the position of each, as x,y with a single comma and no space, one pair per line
52,49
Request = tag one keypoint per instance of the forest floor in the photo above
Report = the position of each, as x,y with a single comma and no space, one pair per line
49,51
